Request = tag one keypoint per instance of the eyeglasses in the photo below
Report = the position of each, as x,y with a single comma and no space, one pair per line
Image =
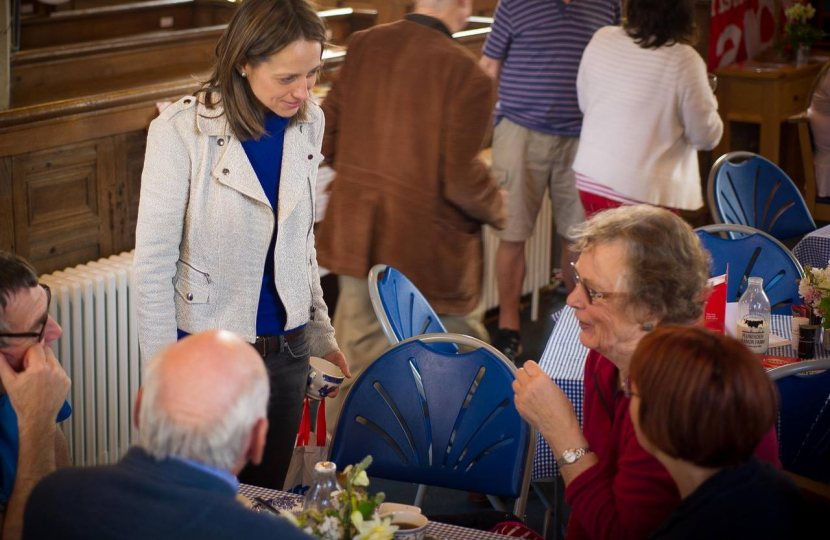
592,294
38,335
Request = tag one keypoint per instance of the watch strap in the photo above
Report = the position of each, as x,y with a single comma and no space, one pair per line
576,453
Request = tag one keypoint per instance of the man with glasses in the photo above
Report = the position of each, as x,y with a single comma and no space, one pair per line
33,389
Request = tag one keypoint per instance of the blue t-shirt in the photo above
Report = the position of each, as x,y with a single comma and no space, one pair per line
10,442
265,156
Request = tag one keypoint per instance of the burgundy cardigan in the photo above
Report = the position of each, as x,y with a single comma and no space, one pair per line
628,494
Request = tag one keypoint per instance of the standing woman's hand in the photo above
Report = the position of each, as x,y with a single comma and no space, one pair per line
338,359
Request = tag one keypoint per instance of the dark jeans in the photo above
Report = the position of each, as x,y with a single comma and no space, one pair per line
287,371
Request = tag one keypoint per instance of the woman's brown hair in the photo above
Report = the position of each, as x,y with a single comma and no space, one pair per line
666,265
257,30
655,23
704,397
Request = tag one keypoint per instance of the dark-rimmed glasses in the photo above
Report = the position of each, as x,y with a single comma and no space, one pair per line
592,294
38,335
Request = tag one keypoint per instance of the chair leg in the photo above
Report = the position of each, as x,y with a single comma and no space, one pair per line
549,503
421,495
497,503
559,497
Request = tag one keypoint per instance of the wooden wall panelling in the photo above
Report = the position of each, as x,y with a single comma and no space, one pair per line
129,152
6,206
62,206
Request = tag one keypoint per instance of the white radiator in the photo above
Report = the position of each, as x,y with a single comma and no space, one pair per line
94,304
537,254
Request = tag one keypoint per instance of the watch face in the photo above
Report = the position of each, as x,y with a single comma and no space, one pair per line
569,456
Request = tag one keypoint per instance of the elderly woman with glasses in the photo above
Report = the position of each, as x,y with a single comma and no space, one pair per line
639,267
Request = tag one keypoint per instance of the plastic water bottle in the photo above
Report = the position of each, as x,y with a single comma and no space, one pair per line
319,497
754,317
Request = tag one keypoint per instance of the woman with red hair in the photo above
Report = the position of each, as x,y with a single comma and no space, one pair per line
701,403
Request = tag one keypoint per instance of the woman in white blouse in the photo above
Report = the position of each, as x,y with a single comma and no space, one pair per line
648,108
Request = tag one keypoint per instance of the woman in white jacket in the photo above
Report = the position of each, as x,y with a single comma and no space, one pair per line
225,234
648,108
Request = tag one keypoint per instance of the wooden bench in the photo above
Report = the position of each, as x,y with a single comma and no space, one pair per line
110,65
121,20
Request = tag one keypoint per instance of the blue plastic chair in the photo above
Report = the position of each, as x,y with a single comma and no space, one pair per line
747,189
804,435
438,418
753,253
401,309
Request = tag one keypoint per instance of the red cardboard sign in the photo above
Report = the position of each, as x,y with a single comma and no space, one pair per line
714,312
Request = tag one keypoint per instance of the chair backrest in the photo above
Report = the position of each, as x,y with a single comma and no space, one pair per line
401,309
438,418
747,189
753,253
804,434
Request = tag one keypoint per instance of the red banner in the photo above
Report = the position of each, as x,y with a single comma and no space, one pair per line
740,30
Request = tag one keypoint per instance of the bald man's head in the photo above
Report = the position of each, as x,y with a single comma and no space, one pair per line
453,13
201,399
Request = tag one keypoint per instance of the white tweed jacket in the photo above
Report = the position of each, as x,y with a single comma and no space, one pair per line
205,224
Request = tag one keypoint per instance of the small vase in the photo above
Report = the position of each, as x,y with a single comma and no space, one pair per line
802,55
825,338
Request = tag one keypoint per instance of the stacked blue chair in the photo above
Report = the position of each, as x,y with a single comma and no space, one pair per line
401,309
804,434
747,189
439,418
753,253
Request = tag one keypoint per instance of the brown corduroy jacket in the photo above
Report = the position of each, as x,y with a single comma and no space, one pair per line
405,121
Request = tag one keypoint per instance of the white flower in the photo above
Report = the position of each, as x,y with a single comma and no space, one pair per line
374,529
331,528
362,479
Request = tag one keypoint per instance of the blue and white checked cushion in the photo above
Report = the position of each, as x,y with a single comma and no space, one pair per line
814,249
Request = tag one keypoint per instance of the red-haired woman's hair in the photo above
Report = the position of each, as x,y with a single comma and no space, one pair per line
704,397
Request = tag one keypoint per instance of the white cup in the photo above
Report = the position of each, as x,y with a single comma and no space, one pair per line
411,525
323,378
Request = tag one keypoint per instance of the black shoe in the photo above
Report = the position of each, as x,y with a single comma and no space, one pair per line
509,342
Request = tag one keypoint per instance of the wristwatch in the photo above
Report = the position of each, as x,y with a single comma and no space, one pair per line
572,455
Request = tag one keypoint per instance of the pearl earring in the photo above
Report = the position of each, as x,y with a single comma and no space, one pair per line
244,75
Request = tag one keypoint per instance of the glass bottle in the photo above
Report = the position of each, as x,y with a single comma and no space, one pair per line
325,483
754,317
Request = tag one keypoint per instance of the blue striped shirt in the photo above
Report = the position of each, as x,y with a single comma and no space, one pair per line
540,43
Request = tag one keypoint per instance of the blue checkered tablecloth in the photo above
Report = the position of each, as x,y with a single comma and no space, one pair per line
564,360
442,531
814,249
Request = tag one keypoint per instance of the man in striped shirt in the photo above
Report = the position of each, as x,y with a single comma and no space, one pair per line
533,52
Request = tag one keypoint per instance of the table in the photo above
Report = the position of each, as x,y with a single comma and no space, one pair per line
814,249
762,93
443,531
564,360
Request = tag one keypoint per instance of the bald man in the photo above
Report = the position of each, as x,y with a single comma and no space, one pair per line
201,416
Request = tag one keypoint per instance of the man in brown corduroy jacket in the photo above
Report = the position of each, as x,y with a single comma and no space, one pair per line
405,120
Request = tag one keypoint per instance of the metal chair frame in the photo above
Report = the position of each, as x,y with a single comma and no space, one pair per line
520,505
812,400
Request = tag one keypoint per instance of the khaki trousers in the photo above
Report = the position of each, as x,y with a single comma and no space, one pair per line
361,338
